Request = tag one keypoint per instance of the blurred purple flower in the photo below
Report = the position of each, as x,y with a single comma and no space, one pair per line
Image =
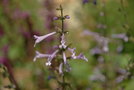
64,58
97,76
119,48
60,68
51,57
122,36
85,1
67,17
55,18
81,56
96,50
102,41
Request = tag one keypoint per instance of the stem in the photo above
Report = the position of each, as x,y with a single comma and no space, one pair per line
124,14
105,19
62,19
62,32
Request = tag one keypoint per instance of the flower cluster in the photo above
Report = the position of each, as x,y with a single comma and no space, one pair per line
60,50
102,46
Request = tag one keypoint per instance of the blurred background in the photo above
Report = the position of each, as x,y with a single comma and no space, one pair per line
101,29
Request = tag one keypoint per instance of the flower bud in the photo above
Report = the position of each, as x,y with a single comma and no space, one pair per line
55,18
67,17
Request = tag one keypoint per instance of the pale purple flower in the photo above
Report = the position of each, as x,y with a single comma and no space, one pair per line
67,17
39,55
60,68
64,58
119,48
62,45
96,50
81,56
41,38
73,52
119,79
51,57
122,36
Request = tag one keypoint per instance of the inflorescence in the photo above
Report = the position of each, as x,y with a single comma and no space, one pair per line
61,50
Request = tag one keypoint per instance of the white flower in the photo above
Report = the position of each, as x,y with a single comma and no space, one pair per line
102,41
40,38
50,58
39,55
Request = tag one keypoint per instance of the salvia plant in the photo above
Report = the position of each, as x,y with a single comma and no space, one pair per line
58,60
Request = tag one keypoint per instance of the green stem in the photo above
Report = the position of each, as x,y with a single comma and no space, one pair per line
62,19
62,28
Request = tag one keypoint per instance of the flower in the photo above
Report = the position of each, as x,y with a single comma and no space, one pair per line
64,58
96,50
60,68
40,38
67,17
39,55
67,67
62,45
102,41
80,56
55,18
50,58
73,52
122,36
